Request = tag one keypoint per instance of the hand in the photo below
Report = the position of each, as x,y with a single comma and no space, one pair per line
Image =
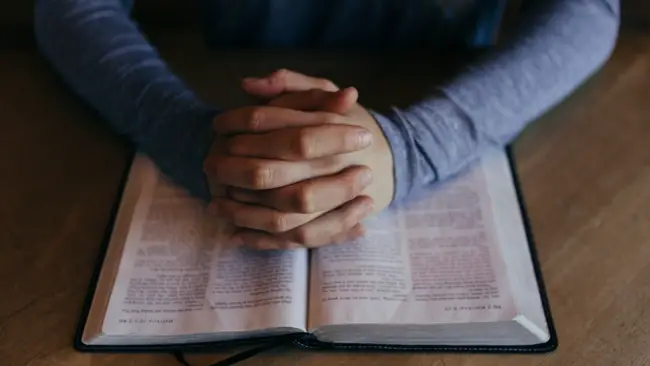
304,94
308,144
318,199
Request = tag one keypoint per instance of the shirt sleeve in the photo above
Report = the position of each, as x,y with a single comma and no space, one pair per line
557,45
101,54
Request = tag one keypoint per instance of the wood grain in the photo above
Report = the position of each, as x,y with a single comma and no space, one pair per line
584,167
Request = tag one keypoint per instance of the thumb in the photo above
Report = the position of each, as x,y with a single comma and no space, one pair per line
284,81
339,102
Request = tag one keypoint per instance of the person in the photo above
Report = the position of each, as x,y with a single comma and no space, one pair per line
308,166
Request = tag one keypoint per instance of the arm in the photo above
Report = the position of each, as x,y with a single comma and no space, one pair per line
104,58
558,45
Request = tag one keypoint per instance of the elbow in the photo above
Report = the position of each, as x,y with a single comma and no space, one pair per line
46,14
50,16
53,28
54,20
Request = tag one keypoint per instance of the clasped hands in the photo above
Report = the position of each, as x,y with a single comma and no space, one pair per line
302,170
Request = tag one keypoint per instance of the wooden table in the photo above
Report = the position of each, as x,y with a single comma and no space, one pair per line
585,171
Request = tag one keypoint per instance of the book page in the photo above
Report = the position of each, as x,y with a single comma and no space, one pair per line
178,276
434,261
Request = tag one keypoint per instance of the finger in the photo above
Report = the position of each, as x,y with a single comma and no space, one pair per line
258,217
315,195
326,228
355,233
284,81
267,118
264,241
258,174
300,143
318,100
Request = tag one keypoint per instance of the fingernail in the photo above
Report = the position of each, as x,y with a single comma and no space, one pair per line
364,138
365,178
370,206
351,91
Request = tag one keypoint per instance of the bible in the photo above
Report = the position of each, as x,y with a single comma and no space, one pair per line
454,270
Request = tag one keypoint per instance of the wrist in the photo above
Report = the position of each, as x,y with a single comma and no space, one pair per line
379,158
178,145
391,138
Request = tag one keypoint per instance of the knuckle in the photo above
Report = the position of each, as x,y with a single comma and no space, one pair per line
305,144
279,222
303,236
255,119
262,177
304,200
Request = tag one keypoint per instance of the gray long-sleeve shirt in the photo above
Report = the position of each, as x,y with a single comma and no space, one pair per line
558,44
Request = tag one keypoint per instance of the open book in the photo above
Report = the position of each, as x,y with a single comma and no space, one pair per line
454,269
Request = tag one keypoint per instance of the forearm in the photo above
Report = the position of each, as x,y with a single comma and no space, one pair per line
104,58
558,46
